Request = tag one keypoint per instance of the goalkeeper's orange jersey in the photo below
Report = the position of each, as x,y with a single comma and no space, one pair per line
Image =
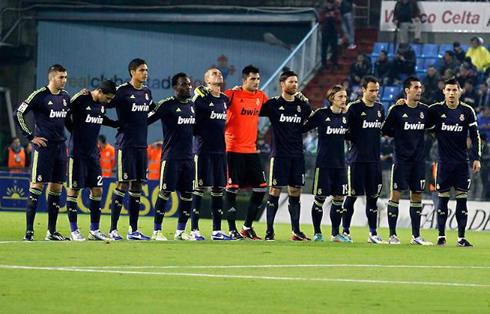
242,120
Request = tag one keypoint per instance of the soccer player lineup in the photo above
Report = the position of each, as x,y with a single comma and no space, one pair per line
209,146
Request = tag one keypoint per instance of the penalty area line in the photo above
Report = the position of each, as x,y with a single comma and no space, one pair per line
277,278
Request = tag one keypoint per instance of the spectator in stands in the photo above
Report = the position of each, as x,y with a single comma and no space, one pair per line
15,156
485,167
107,156
470,95
430,83
382,69
470,66
438,95
359,69
459,53
404,61
484,94
407,18
448,62
483,119
28,149
347,10
330,20
448,74
464,74
479,54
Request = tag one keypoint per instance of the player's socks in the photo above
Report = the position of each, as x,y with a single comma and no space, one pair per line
116,207
217,209
336,216
348,212
294,207
34,195
272,206
253,207
442,213
160,206
230,199
392,216
372,214
53,209
185,210
196,209
71,206
134,209
461,213
415,215
317,213
94,207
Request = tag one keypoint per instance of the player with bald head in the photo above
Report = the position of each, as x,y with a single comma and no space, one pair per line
210,151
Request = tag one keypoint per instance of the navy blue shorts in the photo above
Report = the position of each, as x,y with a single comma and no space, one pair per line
245,171
364,178
84,172
132,164
330,181
49,163
287,171
177,175
453,175
406,176
210,170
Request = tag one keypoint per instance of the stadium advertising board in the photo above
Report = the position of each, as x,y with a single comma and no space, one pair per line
478,213
14,190
440,17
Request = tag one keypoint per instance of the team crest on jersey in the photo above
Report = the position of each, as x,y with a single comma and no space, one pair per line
395,186
39,178
258,102
146,96
274,182
298,108
344,120
75,184
192,109
125,176
421,115
319,191
102,109
64,102
201,182
379,114
461,117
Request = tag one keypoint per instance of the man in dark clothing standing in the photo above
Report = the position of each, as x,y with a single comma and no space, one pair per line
329,19
404,62
407,18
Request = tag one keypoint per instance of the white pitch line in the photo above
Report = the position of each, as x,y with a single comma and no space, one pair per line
282,266
20,241
452,284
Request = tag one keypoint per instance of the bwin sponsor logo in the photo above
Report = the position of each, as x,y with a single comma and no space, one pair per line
249,112
294,119
218,116
451,128
57,114
371,125
190,120
96,120
413,126
340,130
144,108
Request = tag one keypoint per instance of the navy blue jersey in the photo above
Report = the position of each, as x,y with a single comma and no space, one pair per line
132,107
178,121
210,123
331,135
287,119
50,111
364,131
407,126
84,121
451,127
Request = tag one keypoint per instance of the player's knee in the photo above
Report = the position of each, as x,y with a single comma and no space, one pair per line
198,192
416,197
165,195
73,192
186,196
461,194
135,186
444,194
275,191
38,186
293,191
217,191
395,196
55,187
232,190
122,186
338,198
96,192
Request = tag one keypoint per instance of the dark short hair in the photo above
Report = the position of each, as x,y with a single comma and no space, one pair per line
451,81
456,44
249,69
56,68
15,138
134,64
102,138
384,51
368,79
175,78
407,83
285,75
431,66
484,83
449,52
108,87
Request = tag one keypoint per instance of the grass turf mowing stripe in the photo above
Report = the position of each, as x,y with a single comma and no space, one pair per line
452,284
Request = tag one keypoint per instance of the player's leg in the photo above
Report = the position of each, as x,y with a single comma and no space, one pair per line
56,183
71,207
217,212
321,189
444,181
355,184
168,181
95,210
35,191
138,175
271,211
373,188
400,174
417,187
235,173
295,182
462,186
185,184
197,196
123,162
204,177
338,189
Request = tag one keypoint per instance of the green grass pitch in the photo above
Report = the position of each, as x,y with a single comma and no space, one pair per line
238,277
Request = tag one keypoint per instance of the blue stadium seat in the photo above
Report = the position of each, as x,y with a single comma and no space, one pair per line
378,47
420,66
391,50
417,48
465,47
421,76
386,105
443,48
390,92
430,51
431,61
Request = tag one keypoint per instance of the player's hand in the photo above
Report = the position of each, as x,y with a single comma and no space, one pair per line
401,101
85,91
202,90
237,88
39,141
476,166
301,97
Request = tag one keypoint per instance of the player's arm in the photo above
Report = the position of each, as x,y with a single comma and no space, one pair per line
475,141
265,110
312,122
73,110
388,127
157,112
350,116
19,115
